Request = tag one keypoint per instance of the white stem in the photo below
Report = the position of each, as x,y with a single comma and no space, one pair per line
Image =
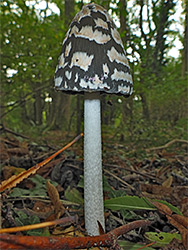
93,188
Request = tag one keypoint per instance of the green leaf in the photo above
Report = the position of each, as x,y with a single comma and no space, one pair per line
161,238
74,195
173,208
38,190
128,203
23,219
19,192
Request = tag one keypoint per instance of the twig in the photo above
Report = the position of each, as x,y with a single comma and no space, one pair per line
40,242
167,144
119,179
3,128
148,245
24,99
44,199
39,225
131,170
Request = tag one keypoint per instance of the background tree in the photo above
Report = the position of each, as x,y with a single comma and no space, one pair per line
185,44
31,40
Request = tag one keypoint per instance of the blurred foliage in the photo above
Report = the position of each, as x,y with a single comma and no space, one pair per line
31,38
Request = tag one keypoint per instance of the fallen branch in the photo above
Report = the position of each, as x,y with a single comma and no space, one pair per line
7,130
36,242
167,144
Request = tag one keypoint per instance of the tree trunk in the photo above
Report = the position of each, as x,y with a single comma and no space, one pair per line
69,12
185,43
24,113
60,110
127,107
162,24
38,108
145,108
79,115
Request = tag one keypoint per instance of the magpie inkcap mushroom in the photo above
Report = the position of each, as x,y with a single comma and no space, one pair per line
93,58
93,61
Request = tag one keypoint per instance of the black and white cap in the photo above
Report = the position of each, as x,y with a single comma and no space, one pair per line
92,57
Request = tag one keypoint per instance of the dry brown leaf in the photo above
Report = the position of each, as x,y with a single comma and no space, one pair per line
53,193
101,229
18,151
156,189
70,231
168,182
164,209
8,171
54,197
152,196
182,229
3,152
176,194
178,221
184,206
43,210
181,220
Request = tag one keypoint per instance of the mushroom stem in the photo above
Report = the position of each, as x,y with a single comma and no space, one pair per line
93,187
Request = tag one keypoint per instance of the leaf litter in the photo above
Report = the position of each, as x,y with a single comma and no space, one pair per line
157,183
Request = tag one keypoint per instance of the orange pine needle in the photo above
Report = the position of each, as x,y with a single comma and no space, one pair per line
148,245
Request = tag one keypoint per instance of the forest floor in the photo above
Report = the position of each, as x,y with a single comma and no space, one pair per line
129,170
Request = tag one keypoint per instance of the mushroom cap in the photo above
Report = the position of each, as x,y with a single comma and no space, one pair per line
93,57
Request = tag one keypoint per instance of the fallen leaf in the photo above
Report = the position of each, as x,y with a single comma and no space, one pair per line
54,197
3,152
18,151
74,195
178,221
183,231
175,194
101,229
43,210
9,171
161,238
184,206
168,182
164,209
181,219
